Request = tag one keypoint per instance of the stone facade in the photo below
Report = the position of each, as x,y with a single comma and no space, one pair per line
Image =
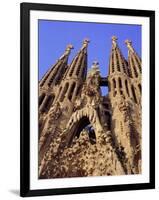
81,132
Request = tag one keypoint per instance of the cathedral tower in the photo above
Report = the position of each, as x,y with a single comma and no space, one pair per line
50,82
121,95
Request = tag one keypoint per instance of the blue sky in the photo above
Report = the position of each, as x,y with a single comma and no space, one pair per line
55,35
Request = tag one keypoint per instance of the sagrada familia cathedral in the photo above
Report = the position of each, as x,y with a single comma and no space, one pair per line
81,132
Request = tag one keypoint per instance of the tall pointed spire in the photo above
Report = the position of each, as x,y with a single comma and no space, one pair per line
118,79
54,75
78,67
134,61
74,75
117,60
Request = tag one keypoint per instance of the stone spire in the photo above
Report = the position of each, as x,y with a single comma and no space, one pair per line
78,66
75,75
134,61
54,74
117,60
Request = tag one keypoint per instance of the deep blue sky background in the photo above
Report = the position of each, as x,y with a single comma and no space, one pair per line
55,35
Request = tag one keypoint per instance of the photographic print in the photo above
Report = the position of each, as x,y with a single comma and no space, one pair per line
90,103
87,99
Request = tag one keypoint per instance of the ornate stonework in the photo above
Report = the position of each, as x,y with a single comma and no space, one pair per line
81,132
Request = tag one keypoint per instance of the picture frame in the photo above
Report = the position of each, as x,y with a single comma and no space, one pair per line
29,91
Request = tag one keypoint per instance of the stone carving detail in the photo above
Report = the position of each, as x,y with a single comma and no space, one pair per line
55,112
84,159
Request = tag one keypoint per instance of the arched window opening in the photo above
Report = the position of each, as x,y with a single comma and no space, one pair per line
121,93
91,133
134,94
84,73
126,85
71,91
48,103
139,86
120,83
78,90
64,92
85,126
41,98
114,83
115,92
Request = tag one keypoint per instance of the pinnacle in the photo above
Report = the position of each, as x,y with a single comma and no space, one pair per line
129,45
128,42
67,50
114,38
114,41
86,41
69,47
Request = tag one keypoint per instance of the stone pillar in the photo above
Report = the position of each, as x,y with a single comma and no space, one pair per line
130,90
69,89
59,93
43,103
